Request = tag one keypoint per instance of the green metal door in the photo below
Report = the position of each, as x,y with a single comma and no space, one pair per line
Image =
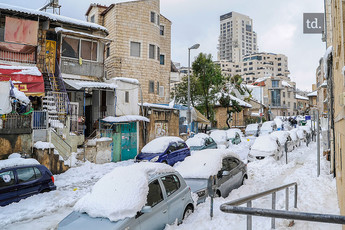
128,141
116,150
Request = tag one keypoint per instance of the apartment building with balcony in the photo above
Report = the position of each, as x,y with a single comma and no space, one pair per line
237,37
141,46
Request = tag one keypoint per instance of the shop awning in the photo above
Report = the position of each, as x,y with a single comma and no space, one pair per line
89,84
201,118
28,79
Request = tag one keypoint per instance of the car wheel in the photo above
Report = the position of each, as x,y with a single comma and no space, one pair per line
188,211
218,194
165,162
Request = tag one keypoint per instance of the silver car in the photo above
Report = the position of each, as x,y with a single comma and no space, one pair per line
231,176
169,199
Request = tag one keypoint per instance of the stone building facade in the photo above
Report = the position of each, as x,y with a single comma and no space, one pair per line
335,62
140,47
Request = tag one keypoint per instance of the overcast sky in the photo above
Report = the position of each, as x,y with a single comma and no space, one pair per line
278,24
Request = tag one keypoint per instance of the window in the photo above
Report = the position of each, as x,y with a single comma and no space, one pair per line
26,174
158,53
289,104
92,19
6,179
151,86
158,87
135,49
161,30
275,97
275,83
283,94
153,15
158,20
37,173
127,97
162,59
151,51
171,184
181,145
70,47
155,194
108,51
89,50
161,91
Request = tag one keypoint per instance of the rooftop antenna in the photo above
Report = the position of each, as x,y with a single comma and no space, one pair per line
53,5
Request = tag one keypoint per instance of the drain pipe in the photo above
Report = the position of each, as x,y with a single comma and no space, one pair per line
142,113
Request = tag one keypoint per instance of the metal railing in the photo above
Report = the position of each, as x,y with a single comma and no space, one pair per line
231,207
7,55
40,120
15,121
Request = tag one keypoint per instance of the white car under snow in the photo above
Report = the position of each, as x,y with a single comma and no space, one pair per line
265,146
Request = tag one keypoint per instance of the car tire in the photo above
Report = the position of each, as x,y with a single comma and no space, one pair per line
188,211
218,194
165,162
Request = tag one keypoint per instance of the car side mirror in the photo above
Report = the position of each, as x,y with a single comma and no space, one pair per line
146,209
226,173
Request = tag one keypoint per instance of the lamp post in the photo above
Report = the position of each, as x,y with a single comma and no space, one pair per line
189,117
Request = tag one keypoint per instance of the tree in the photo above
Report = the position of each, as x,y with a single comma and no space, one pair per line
209,80
206,81
234,88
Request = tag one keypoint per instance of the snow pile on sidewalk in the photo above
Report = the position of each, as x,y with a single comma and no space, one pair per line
17,162
125,187
315,194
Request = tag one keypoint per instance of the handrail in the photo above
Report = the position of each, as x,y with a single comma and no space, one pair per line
64,156
229,207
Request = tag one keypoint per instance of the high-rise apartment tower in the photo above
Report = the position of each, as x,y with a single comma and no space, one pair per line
237,37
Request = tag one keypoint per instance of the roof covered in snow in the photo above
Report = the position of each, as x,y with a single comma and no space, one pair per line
126,118
23,70
286,84
312,94
160,144
301,97
127,193
52,17
156,106
127,80
204,163
261,79
89,84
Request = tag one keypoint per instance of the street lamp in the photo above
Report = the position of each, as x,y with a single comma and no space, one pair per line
189,117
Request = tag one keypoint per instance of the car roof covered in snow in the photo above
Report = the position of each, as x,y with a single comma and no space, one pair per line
204,163
125,187
160,144
197,140
265,143
13,162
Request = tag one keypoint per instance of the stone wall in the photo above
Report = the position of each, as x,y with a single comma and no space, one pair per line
221,116
47,158
99,153
162,123
14,143
130,21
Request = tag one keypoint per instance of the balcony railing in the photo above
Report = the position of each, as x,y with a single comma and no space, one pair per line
25,54
15,123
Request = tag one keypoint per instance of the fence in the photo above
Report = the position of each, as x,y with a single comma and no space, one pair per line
15,121
40,120
29,58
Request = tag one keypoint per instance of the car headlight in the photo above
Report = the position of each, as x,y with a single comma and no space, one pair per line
201,193
154,159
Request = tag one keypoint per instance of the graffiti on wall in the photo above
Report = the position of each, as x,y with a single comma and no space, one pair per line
161,129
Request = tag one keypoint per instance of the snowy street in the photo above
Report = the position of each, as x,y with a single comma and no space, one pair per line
45,211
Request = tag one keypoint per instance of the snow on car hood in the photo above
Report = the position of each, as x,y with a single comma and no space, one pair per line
204,163
197,140
231,133
281,135
265,143
160,144
122,192
219,136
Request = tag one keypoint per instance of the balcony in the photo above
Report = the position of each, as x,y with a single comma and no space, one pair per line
88,68
18,53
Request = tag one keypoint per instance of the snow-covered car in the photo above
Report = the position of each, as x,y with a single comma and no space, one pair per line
168,150
301,134
197,169
21,178
294,137
239,131
233,136
268,127
252,130
201,141
139,196
220,137
284,137
265,146
306,128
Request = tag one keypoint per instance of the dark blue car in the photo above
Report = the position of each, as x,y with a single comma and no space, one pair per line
167,150
20,182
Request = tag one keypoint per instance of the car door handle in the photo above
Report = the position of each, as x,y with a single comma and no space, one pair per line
165,211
